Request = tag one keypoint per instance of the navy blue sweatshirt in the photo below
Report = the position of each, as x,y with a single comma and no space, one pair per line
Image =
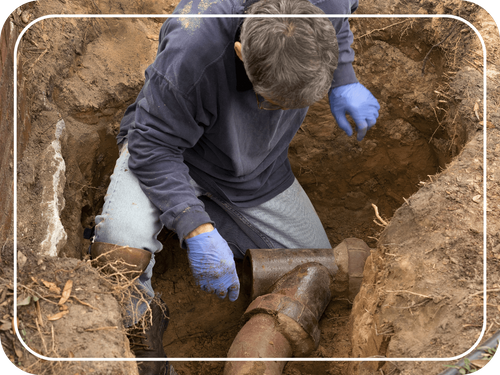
197,117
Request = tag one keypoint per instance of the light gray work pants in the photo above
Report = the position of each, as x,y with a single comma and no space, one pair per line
129,218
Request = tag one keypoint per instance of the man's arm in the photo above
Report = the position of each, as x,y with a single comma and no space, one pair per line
344,74
164,126
347,95
203,228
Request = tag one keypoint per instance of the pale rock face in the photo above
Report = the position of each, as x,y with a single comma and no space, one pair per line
52,197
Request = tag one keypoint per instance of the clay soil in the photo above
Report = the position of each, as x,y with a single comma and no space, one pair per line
421,166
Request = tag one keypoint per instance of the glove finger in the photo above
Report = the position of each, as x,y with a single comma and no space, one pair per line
342,122
374,112
207,288
234,292
222,289
221,293
362,128
371,121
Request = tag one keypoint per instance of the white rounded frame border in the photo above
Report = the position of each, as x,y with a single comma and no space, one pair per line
376,358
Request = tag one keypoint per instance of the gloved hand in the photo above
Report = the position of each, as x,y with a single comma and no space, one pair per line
212,263
359,102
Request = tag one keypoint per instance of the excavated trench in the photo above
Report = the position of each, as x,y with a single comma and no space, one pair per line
342,176
417,134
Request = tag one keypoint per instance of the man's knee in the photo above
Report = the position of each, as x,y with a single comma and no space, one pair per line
133,233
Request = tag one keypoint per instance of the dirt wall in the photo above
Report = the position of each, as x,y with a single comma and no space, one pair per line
7,42
422,291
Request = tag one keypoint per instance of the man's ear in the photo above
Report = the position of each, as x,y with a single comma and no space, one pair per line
237,48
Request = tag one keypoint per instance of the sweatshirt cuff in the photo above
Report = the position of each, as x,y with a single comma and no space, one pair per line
190,219
344,75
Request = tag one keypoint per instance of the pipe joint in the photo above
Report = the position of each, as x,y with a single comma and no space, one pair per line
296,302
291,318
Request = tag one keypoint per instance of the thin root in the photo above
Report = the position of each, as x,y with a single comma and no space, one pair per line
382,222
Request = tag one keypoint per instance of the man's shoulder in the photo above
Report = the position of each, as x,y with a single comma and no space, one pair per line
191,46
186,23
209,7
336,6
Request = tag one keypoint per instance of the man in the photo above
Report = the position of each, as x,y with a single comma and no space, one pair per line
204,147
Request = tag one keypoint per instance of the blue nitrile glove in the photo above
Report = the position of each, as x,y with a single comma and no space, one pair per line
359,102
212,263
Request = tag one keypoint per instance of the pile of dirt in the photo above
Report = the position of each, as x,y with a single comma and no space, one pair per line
421,166
66,309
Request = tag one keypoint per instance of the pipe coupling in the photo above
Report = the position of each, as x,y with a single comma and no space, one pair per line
296,302
350,256
292,319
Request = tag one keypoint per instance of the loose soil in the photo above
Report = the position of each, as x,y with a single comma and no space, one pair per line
421,166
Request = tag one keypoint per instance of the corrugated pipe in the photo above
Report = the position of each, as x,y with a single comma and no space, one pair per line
492,342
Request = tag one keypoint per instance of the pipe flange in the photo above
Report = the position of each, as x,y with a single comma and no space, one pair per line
294,320
350,256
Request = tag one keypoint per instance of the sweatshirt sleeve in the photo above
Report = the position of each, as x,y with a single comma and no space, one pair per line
164,126
344,74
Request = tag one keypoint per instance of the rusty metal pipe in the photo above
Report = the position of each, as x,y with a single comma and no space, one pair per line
291,289
263,267
258,339
283,322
